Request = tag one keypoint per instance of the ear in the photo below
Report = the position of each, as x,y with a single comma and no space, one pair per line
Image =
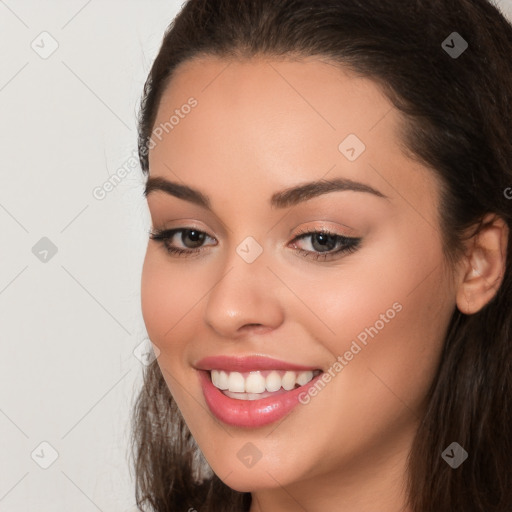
483,269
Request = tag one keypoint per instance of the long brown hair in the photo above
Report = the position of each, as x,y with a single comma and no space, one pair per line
457,113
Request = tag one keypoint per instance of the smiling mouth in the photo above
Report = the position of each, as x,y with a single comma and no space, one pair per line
258,384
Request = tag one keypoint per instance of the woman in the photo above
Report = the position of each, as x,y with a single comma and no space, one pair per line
327,280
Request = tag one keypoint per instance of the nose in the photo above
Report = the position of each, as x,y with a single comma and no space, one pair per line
244,300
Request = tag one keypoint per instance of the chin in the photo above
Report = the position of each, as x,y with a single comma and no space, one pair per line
250,480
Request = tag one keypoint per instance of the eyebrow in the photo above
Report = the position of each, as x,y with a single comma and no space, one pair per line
283,199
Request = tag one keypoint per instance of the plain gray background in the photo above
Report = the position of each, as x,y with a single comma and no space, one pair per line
73,340
69,325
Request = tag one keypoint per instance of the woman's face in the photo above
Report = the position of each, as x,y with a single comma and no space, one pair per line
264,298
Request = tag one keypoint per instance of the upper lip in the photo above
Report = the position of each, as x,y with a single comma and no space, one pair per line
248,363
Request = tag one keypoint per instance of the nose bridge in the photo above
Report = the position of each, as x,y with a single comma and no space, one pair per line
245,291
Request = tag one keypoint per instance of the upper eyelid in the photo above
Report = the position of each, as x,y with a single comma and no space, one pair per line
302,233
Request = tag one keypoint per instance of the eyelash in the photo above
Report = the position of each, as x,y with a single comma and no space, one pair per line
351,244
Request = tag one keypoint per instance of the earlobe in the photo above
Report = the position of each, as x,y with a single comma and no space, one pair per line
484,265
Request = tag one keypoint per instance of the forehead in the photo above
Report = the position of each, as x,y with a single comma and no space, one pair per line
264,88
266,121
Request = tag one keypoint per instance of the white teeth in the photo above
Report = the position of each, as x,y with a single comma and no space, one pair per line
288,381
215,378
304,378
236,382
256,382
273,381
223,380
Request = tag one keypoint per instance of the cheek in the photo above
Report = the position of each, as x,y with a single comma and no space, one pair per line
390,320
391,304
154,298
166,296
164,302
171,299
381,389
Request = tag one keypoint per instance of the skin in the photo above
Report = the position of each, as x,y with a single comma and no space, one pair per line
262,126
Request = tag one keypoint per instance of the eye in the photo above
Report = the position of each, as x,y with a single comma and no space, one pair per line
191,238
325,244
324,241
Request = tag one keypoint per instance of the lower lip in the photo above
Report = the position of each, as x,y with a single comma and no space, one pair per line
250,413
